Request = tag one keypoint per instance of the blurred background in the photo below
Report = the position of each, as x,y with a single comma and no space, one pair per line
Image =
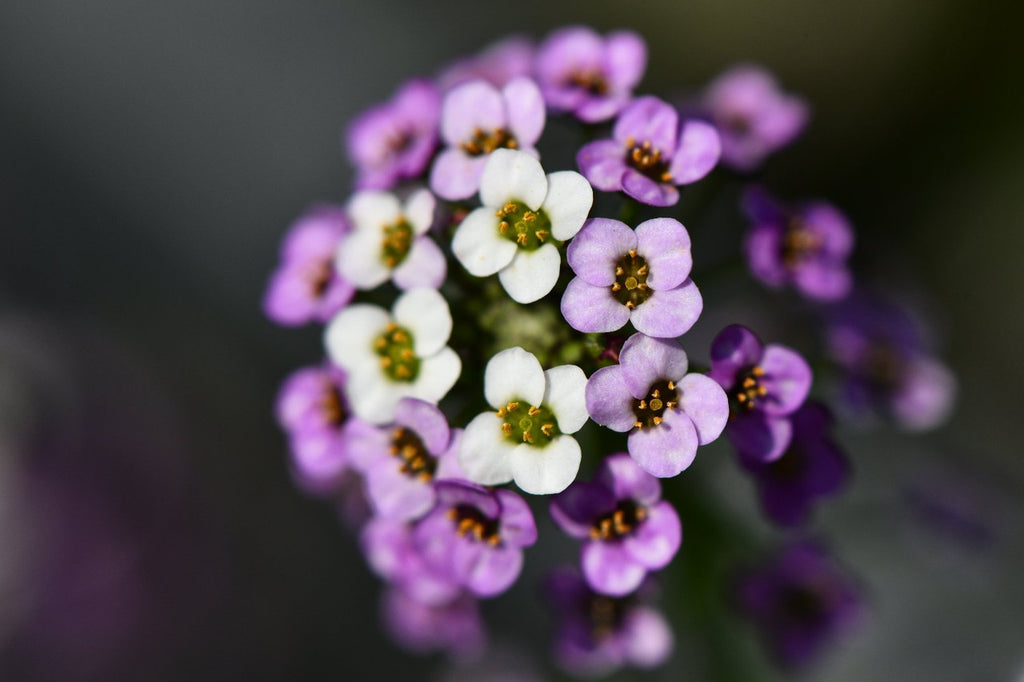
151,157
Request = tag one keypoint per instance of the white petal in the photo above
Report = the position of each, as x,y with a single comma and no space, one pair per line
512,175
374,209
566,396
514,374
531,274
479,246
419,211
438,373
350,335
358,259
372,395
425,313
546,470
483,451
568,203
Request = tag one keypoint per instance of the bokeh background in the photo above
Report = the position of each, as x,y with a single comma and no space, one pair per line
152,155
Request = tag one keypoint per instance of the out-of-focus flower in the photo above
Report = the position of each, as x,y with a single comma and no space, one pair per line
454,627
642,277
391,553
497,64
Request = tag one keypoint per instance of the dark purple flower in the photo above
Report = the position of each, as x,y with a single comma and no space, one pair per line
394,141
392,554
497,64
805,246
801,601
454,627
628,530
754,117
305,286
598,633
476,536
642,277
650,153
765,384
812,467
667,411
590,76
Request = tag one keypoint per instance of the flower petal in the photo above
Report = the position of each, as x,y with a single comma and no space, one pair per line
657,539
373,396
666,449
484,453
568,203
469,107
479,246
706,404
428,422
438,373
669,313
358,259
514,374
419,211
577,508
626,58
647,191
787,377
594,252
350,335
649,119
648,637
665,245
646,360
592,309
525,106
698,152
566,396
455,174
546,470
759,436
513,175
424,266
603,163
609,569
609,402
734,348
395,495
425,313
627,481
374,210
532,274
494,571
518,527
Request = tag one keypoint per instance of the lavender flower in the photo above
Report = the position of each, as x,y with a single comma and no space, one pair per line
754,117
667,411
392,554
766,384
394,141
805,246
641,277
476,536
649,153
812,467
454,627
476,119
305,286
524,216
591,77
497,64
627,528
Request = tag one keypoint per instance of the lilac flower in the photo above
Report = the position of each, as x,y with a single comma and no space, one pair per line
627,528
598,633
401,462
812,467
528,438
805,246
497,64
476,119
754,117
591,77
766,384
524,216
392,554
392,356
650,153
800,602
454,627
305,286
667,411
389,240
394,141
641,277
476,536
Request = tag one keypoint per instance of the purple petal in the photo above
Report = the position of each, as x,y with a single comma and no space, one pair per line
595,109
425,266
666,449
698,152
592,309
734,349
706,404
627,481
787,376
763,248
455,493
823,280
759,436
665,244
625,58
456,175
473,106
598,246
649,119
647,191
669,313
493,570
646,361
368,445
648,637
926,395
609,402
761,207
577,508
525,107
567,51
610,569
831,226
427,421
518,528
603,163
394,494
657,539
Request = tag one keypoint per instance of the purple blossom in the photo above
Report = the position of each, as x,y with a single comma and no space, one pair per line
667,411
476,535
497,64
650,153
801,602
454,627
590,76
642,277
754,117
766,384
392,554
476,119
805,246
394,141
627,528
598,634
305,286
812,467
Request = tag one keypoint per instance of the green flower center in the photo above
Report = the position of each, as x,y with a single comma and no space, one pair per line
484,142
535,425
748,389
630,286
397,358
416,462
396,244
646,159
619,522
529,229
649,411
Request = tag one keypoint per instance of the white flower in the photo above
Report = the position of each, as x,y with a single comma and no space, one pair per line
527,439
391,356
524,216
388,240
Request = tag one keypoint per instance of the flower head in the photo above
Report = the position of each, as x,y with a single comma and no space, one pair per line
392,554
650,153
497,64
524,216
667,411
642,277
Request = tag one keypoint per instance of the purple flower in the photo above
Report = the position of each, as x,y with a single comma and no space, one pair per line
754,117
394,141
497,64
392,554
476,119
805,246
812,467
627,528
650,153
598,633
800,602
476,536
766,384
591,77
305,287
454,627
641,277
668,412
401,462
